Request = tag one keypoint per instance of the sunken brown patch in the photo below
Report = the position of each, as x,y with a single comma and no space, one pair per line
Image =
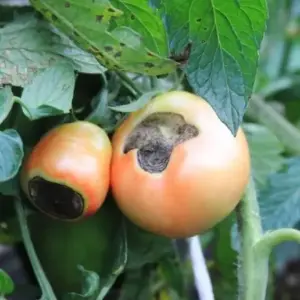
155,138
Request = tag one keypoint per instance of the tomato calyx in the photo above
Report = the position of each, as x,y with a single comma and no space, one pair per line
56,199
155,138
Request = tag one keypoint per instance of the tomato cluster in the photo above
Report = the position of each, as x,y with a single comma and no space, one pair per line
173,167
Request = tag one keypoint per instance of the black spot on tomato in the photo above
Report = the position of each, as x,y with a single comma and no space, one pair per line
132,17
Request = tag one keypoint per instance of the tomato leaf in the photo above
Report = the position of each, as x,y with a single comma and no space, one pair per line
81,60
119,48
137,286
225,37
50,93
265,151
6,102
138,104
11,154
91,283
144,247
25,49
138,15
29,45
10,187
280,200
172,272
6,284
224,256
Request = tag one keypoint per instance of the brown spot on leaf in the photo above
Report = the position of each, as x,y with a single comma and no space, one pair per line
183,57
54,18
149,65
108,48
99,18
118,54
67,4
132,17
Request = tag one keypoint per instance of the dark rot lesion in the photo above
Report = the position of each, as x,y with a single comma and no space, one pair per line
55,199
155,138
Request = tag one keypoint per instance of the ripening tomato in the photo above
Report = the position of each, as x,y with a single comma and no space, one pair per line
67,173
177,170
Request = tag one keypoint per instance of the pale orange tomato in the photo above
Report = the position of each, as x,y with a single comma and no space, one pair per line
67,174
177,170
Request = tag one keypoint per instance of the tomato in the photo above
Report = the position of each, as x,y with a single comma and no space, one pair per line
67,173
177,170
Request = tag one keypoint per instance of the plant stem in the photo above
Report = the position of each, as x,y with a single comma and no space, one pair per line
263,113
129,83
47,292
276,237
253,270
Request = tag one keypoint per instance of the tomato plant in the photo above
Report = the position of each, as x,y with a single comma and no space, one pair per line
176,180
149,149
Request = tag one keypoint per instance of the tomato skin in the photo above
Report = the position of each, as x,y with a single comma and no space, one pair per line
203,182
76,155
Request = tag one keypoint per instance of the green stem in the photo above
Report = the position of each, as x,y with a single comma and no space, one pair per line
179,79
129,84
47,292
256,247
273,238
264,114
253,270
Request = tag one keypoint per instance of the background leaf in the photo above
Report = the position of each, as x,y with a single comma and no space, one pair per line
81,60
50,92
119,48
6,102
177,14
137,286
11,154
90,286
138,15
28,45
138,104
25,47
6,283
280,200
265,151
225,37
10,187
144,247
